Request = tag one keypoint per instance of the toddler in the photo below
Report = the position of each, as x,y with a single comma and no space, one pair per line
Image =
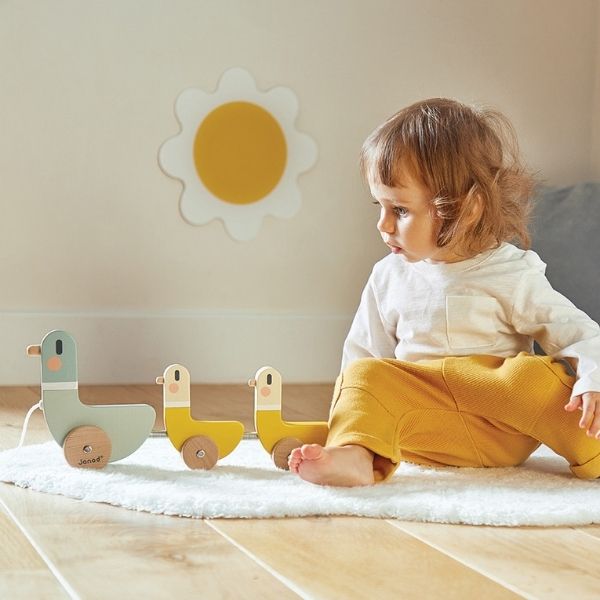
438,367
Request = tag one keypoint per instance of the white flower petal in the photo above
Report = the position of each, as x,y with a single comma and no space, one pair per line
198,205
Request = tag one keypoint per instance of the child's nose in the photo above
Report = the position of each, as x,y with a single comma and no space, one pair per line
387,222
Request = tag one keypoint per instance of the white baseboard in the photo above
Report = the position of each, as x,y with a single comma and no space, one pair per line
134,348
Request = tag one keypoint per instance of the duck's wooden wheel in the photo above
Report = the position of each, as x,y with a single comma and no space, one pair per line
281,451
87,447
200,452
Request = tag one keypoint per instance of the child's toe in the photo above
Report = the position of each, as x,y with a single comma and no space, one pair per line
312,451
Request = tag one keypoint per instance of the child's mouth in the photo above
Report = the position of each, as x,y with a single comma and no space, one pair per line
395,249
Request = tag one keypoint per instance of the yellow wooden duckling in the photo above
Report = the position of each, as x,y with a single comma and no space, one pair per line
201,443
277,436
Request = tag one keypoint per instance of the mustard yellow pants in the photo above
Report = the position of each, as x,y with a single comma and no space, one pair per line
475,411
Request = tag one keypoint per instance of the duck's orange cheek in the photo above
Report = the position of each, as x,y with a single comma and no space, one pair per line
173,388
265,391
54,364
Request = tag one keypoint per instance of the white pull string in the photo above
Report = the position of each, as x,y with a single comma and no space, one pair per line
26,423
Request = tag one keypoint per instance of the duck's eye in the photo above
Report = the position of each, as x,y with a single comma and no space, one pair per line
177,375
59,347
269,379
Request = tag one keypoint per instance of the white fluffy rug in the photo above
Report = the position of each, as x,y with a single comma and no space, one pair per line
246,484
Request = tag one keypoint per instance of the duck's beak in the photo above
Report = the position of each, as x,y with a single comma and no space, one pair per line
160,380
252,382
34,350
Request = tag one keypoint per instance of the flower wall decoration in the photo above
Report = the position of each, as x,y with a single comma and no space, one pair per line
238,154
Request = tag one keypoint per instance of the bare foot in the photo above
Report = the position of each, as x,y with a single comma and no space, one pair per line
346,466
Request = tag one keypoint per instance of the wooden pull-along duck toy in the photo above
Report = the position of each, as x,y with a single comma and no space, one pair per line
277,436
201,443
91,436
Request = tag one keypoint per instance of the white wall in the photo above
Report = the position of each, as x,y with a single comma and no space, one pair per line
91,239
595,151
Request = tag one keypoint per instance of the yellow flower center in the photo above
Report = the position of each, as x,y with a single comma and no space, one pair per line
240,152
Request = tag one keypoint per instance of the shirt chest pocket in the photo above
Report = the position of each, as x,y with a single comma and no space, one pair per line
471,321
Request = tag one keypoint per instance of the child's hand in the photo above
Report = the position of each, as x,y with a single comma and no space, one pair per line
589,403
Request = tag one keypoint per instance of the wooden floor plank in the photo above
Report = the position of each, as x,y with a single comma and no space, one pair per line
540,562
14,405
23,573
103,551
593,530
354,558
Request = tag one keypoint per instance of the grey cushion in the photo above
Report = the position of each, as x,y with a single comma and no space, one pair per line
566,235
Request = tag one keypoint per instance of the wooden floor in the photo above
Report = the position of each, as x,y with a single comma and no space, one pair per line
55,547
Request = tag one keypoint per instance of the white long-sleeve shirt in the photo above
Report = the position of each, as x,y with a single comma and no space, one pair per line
496,303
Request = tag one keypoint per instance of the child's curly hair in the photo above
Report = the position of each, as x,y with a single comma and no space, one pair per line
468,159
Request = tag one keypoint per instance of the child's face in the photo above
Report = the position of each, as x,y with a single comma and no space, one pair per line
405,221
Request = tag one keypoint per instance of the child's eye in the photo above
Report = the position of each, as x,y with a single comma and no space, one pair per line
399,211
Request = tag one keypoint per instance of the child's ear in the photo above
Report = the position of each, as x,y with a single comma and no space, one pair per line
475,210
